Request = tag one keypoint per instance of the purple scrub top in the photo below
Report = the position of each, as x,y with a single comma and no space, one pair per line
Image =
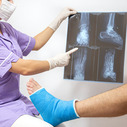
13,45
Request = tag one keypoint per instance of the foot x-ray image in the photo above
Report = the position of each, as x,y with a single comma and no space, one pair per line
100,38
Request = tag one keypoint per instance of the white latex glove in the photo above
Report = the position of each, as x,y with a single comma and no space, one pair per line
61,59
62,16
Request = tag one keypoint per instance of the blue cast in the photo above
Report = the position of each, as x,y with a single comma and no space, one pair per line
53,110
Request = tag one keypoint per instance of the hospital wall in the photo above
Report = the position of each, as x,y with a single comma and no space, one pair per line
33,16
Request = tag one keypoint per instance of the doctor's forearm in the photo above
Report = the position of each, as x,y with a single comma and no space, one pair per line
29,67
42,38
109,104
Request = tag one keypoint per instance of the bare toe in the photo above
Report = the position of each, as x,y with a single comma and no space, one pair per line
32,86
29,85
31,80
30,90
35,84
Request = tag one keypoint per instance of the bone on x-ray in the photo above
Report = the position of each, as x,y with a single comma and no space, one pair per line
100,38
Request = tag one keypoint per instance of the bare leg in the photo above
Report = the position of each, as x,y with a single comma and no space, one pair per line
109,104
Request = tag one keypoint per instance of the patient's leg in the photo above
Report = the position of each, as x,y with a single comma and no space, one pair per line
52,110
109,104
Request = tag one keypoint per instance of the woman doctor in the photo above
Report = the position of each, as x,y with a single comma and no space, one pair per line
15,109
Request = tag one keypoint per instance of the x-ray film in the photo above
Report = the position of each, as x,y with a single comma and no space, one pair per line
100,38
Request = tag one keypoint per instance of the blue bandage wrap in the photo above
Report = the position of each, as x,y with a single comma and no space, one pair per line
53,110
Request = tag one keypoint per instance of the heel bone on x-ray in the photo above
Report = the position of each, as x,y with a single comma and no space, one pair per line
100,38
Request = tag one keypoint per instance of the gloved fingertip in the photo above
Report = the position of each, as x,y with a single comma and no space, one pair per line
68,56
73,12
71,9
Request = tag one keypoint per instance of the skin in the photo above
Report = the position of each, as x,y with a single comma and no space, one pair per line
31,67
109,104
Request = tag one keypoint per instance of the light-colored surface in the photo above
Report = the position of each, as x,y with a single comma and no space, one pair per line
31,17
30,121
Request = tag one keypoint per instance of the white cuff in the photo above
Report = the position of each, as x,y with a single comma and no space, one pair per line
74,102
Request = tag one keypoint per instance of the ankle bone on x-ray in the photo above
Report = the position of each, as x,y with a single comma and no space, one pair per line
110,34
108,69
79,64
83,35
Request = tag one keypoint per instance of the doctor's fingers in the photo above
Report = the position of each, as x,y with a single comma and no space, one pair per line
71,13
67,12
72,51
70,9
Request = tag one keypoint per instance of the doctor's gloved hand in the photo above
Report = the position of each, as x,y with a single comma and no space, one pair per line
61,60
62,16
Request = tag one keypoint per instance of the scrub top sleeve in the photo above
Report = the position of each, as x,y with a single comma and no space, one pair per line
6,58
26,42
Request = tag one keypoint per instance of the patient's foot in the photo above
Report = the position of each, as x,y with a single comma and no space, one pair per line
52,110
32,86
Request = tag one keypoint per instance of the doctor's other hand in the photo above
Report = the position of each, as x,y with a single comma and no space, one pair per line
62,16
66,12
61,60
